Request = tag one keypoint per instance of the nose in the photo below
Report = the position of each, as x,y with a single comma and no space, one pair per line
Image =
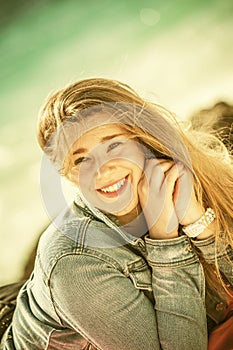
104,168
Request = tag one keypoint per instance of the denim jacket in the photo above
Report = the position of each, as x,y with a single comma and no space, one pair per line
94,286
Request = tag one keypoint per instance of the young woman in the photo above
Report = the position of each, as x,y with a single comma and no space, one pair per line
143,258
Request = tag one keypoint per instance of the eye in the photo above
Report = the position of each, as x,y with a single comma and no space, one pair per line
81,160
113,145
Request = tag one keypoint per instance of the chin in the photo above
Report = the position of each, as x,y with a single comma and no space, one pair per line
131,211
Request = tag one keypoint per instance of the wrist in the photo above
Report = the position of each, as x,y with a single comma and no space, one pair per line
155,234
202,227
208,232
195,215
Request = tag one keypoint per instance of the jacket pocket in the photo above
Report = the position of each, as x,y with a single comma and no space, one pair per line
139,272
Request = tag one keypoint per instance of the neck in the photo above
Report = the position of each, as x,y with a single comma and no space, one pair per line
134,222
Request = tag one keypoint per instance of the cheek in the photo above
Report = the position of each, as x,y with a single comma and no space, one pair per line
85,179
82,178
137,165
137,177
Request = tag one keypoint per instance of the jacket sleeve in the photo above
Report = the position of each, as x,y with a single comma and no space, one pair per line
210,250
101,303
97,300
179,290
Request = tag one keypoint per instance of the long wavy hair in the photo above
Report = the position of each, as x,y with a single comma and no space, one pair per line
164,135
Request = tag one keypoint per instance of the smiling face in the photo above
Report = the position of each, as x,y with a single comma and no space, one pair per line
107,166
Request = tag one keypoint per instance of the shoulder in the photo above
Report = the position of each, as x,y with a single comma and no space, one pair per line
75,233
62,237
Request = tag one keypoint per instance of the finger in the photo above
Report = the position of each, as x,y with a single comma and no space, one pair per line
171,176
184,183
166,165
155,169
157,162
184,192
150,183
168,187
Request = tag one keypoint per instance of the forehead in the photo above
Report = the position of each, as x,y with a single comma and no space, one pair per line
95,136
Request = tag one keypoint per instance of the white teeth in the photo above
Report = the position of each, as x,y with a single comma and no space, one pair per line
114,187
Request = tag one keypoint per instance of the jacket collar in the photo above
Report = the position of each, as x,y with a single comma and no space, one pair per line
80,203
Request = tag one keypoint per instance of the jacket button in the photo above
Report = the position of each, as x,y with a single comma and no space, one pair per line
141,244
188,248
220,306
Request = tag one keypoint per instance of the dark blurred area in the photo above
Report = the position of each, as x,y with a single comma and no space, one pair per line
12,9
217,119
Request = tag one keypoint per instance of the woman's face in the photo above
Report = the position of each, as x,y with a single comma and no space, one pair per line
107,167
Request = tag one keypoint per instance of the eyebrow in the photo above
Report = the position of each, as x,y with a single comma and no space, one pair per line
103,139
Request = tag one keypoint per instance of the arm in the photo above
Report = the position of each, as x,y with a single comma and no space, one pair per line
101,303
210,250
179,289
178,277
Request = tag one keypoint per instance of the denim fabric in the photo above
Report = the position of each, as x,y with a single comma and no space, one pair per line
96,287
224,253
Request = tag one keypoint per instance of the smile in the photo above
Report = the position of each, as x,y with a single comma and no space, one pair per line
114,188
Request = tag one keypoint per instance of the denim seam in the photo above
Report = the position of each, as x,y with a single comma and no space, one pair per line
174,264
166,242
203,243
211,257
83,231
77,248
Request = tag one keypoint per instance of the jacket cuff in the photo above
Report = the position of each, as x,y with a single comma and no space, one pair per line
210,250
170,252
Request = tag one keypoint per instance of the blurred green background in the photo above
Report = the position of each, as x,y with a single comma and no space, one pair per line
177,53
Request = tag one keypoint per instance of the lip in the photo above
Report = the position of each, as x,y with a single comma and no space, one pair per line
115,193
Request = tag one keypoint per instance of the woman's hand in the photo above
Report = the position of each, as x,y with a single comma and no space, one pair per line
187,208
156,191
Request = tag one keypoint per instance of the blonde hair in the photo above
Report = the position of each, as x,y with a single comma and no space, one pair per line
159,130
